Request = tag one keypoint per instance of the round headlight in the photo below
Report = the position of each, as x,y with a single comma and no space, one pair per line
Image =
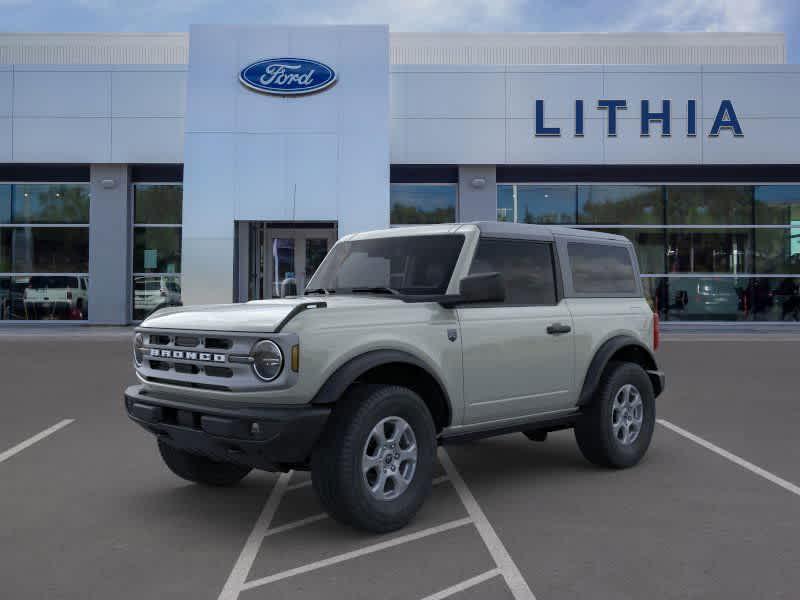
138,344
267,360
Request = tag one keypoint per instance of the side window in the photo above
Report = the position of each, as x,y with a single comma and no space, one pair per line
601,269
527,268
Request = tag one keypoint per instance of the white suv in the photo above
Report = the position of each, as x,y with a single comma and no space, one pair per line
407,338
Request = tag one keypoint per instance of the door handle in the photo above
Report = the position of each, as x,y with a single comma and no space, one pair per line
558,328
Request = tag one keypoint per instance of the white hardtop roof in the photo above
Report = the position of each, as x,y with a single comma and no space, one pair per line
490,228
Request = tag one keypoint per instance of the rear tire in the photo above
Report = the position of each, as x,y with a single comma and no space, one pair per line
373,466
200,469
615,430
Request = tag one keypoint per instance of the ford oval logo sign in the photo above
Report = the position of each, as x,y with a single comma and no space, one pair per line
287,76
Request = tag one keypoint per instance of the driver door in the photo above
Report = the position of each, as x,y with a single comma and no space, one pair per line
518,356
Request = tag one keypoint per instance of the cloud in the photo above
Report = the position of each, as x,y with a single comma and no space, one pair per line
414,15
705,15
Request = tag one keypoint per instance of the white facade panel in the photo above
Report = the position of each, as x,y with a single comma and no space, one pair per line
654,86
454,141
282,158
558,90
311,167
148,93
6,91
5,139
765,141
525,148
454,95
78,140
753,94
628,147
265,197
211,189
147,140
62,93
363,193
210,93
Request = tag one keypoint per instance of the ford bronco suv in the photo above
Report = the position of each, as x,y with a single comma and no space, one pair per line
405,339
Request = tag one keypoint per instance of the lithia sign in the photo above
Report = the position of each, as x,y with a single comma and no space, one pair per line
725,120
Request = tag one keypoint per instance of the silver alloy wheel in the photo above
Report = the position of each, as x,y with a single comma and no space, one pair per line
627,414
389,459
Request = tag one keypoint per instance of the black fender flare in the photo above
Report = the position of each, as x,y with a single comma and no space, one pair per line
350,371
603,356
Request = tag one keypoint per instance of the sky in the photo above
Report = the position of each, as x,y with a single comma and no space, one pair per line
413,15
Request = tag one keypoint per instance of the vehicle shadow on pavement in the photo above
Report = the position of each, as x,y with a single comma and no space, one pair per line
171,500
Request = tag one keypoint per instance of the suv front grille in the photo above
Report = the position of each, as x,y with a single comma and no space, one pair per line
195,360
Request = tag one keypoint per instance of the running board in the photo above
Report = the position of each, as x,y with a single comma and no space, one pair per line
536,424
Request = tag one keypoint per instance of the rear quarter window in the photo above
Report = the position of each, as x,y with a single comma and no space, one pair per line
601,269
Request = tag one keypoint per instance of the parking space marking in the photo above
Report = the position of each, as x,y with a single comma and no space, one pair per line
241,569
320,564
296,524
298,486
464,585
33,439
508,568
787,485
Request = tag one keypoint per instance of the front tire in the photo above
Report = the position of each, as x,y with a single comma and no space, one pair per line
200,469
373,466
615,430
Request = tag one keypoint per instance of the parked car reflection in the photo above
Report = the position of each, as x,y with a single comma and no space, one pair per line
152,292
48,297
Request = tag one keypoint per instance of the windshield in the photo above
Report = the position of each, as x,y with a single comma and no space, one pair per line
419,264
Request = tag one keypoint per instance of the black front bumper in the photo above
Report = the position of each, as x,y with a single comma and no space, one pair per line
269,438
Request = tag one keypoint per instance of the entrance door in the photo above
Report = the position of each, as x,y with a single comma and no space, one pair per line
283,258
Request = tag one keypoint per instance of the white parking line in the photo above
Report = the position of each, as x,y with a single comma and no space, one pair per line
508,568
464,585
298,486
238,575
787,485
404,539
296,524
33,439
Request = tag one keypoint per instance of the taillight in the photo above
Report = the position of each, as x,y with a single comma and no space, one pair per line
656,331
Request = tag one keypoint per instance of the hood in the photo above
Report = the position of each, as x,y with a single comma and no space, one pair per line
259,316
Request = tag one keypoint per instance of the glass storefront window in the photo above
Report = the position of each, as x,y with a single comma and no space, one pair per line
44,251
44,204
545,204
777,205
620,204
151,292
157,214
778,250
649,246
709,251
157,250
158,204
422,203
709,205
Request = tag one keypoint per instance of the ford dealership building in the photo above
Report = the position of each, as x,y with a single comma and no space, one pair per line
146,170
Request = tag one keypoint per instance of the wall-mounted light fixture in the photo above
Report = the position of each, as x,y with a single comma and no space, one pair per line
478,182
109,183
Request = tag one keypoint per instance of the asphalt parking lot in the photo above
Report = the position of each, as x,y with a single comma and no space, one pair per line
87,510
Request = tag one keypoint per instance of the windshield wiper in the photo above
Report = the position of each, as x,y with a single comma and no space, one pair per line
320,291
375,290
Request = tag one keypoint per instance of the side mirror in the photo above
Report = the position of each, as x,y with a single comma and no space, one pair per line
483,287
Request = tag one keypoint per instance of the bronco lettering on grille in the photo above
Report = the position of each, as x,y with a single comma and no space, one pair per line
180,354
